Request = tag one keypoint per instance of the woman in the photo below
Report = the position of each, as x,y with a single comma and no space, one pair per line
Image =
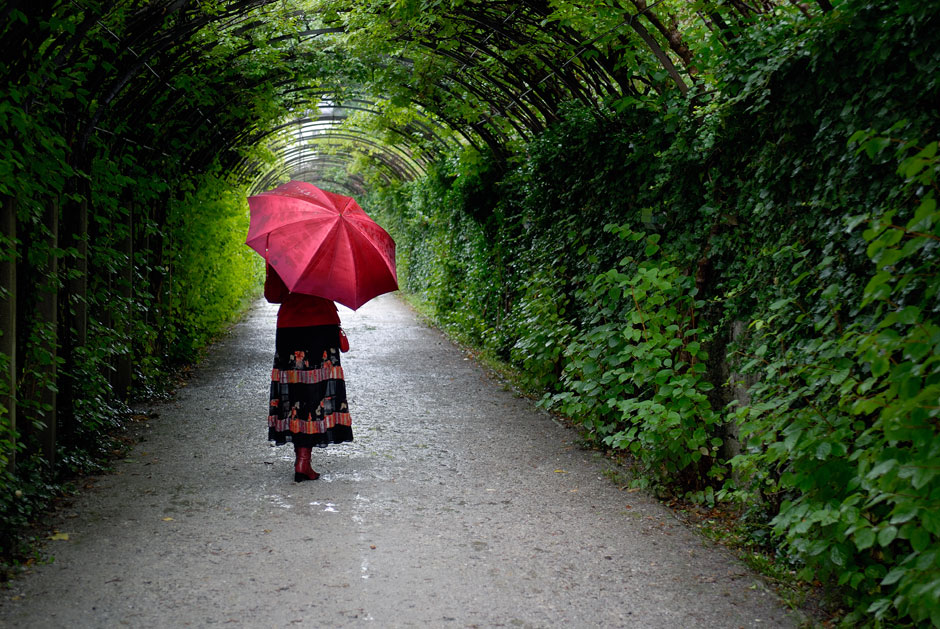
308,393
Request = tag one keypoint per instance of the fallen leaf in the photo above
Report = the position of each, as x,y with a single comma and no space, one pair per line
561,471
59,537
167,519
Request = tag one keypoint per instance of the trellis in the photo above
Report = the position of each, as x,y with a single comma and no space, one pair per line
145,89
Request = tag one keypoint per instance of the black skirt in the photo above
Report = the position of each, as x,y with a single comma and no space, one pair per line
308,392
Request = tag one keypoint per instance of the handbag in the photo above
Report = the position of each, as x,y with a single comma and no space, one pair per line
343,341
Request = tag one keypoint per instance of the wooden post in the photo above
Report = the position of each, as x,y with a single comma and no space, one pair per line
740,385
74,306
48,315
8,324
159,274
125,289
79,285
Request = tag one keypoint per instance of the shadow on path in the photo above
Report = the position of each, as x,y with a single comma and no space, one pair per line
458,505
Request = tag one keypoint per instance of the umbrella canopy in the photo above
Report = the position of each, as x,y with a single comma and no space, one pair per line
321,243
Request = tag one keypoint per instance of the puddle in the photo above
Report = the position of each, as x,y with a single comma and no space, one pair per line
278,501
330,477
328,507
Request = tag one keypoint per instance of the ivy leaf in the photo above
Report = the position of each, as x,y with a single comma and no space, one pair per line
909,315
840,376
904,512
882,468
838,555
909,388
876,145
875,285
930,520
920,539
854,221
864,538
880,366
887,535
894,576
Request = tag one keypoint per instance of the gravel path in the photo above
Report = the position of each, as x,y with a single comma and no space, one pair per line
458,505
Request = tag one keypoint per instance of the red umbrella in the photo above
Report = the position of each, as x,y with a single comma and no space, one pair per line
322,243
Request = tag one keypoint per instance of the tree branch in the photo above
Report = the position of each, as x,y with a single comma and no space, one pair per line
661,55
671,34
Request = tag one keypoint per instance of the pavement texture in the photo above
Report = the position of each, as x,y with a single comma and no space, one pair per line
459,504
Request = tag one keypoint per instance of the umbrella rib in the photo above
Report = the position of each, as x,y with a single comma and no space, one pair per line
374,247
321,253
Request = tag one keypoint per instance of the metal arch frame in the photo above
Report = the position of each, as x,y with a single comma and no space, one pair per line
426,126
329,123
333,118
149,35
389,166
401,167
494,138
306,164
486,94
323,132
398,167
577,84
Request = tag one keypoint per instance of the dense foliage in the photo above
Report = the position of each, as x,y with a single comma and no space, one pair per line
743,294
123,231
706,231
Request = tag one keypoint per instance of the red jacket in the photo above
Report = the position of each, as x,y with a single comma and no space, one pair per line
297,310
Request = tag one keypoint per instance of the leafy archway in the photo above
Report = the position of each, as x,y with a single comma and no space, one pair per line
628,160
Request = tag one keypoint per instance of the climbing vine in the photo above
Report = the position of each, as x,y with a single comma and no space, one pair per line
742,294
842,432
119,213
635,374
706,231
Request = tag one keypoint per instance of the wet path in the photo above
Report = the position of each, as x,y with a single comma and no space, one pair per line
459,505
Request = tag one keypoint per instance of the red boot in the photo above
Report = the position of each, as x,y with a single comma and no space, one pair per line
302,469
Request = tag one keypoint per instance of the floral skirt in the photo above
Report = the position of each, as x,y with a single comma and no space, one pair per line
308,393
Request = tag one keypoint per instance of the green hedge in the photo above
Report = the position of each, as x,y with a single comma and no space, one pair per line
165,274
213,272
740,289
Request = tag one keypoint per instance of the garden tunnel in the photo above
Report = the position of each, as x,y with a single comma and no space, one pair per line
110,107
675,219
